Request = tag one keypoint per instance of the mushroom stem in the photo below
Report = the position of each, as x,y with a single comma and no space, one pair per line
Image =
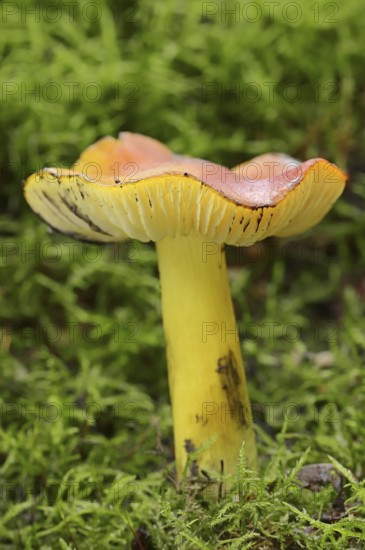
207,381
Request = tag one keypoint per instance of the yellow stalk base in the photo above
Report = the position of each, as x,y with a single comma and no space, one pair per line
207,381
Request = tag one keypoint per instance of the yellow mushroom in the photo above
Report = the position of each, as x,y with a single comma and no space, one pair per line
135,187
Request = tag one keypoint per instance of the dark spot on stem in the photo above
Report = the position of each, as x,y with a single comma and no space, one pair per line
200,418
227,369
190,448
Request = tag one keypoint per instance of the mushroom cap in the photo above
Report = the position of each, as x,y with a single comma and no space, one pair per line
135,187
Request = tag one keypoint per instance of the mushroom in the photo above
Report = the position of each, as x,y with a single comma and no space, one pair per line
135,187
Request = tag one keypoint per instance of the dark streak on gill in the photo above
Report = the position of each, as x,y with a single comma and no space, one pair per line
269,222
231,225
80,191
259,220
49,199
73,192
74,209
246,226
76,236
43,194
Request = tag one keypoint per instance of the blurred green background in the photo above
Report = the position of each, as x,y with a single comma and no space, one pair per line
83,390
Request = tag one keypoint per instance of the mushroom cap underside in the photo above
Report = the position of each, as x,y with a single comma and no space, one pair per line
159,194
